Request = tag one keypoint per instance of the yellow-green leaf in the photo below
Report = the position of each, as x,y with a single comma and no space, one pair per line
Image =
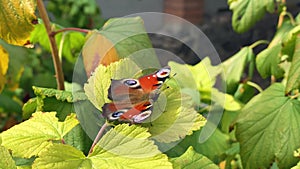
122,147
191,159
17,19
6,161
61,156
31,137
3,66
128,147
178,119
97,87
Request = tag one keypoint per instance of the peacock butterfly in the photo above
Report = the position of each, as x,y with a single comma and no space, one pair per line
133,98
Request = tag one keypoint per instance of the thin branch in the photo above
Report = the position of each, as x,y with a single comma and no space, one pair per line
70,29
99,135
54,51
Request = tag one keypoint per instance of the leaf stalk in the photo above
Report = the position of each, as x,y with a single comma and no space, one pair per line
99,135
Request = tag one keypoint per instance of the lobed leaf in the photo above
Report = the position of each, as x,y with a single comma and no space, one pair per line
59,94
247,12
61,156
37,133
191,159
178,118
97,87
264,127
128,147
17,21
267,62
122,147
49,99
293,79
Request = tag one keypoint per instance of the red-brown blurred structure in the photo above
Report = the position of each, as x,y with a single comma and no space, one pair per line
191,10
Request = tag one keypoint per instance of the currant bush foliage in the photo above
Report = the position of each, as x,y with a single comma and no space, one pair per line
258,129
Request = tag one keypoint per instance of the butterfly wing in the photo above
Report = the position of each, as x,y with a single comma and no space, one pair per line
133,98
136,114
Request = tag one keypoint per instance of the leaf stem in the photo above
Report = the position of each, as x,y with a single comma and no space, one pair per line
258,43
256,86
99,135
282,15
70,29
54,51
273,79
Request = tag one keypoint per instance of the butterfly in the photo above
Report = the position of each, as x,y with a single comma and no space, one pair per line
132,99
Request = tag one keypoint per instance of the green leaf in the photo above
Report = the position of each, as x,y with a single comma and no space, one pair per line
6,161
179,107
70,43
247,12
191,159
17,59
267,62
234,68
54,100
127,34
78,139
178,119
192,79
225,100
24,162
61,156
267,123
214,147
58,94
289,41
124,146
9,103
97,87
244,92
119,38
281,33
29,108
128,147
31,137
90,118
205,74
293,80
17,20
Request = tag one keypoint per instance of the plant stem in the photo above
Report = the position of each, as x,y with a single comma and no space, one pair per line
256,86
273,79
54,51
99,135
258,43
70,29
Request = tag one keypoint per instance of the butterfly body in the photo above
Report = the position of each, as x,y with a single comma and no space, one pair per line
133,98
